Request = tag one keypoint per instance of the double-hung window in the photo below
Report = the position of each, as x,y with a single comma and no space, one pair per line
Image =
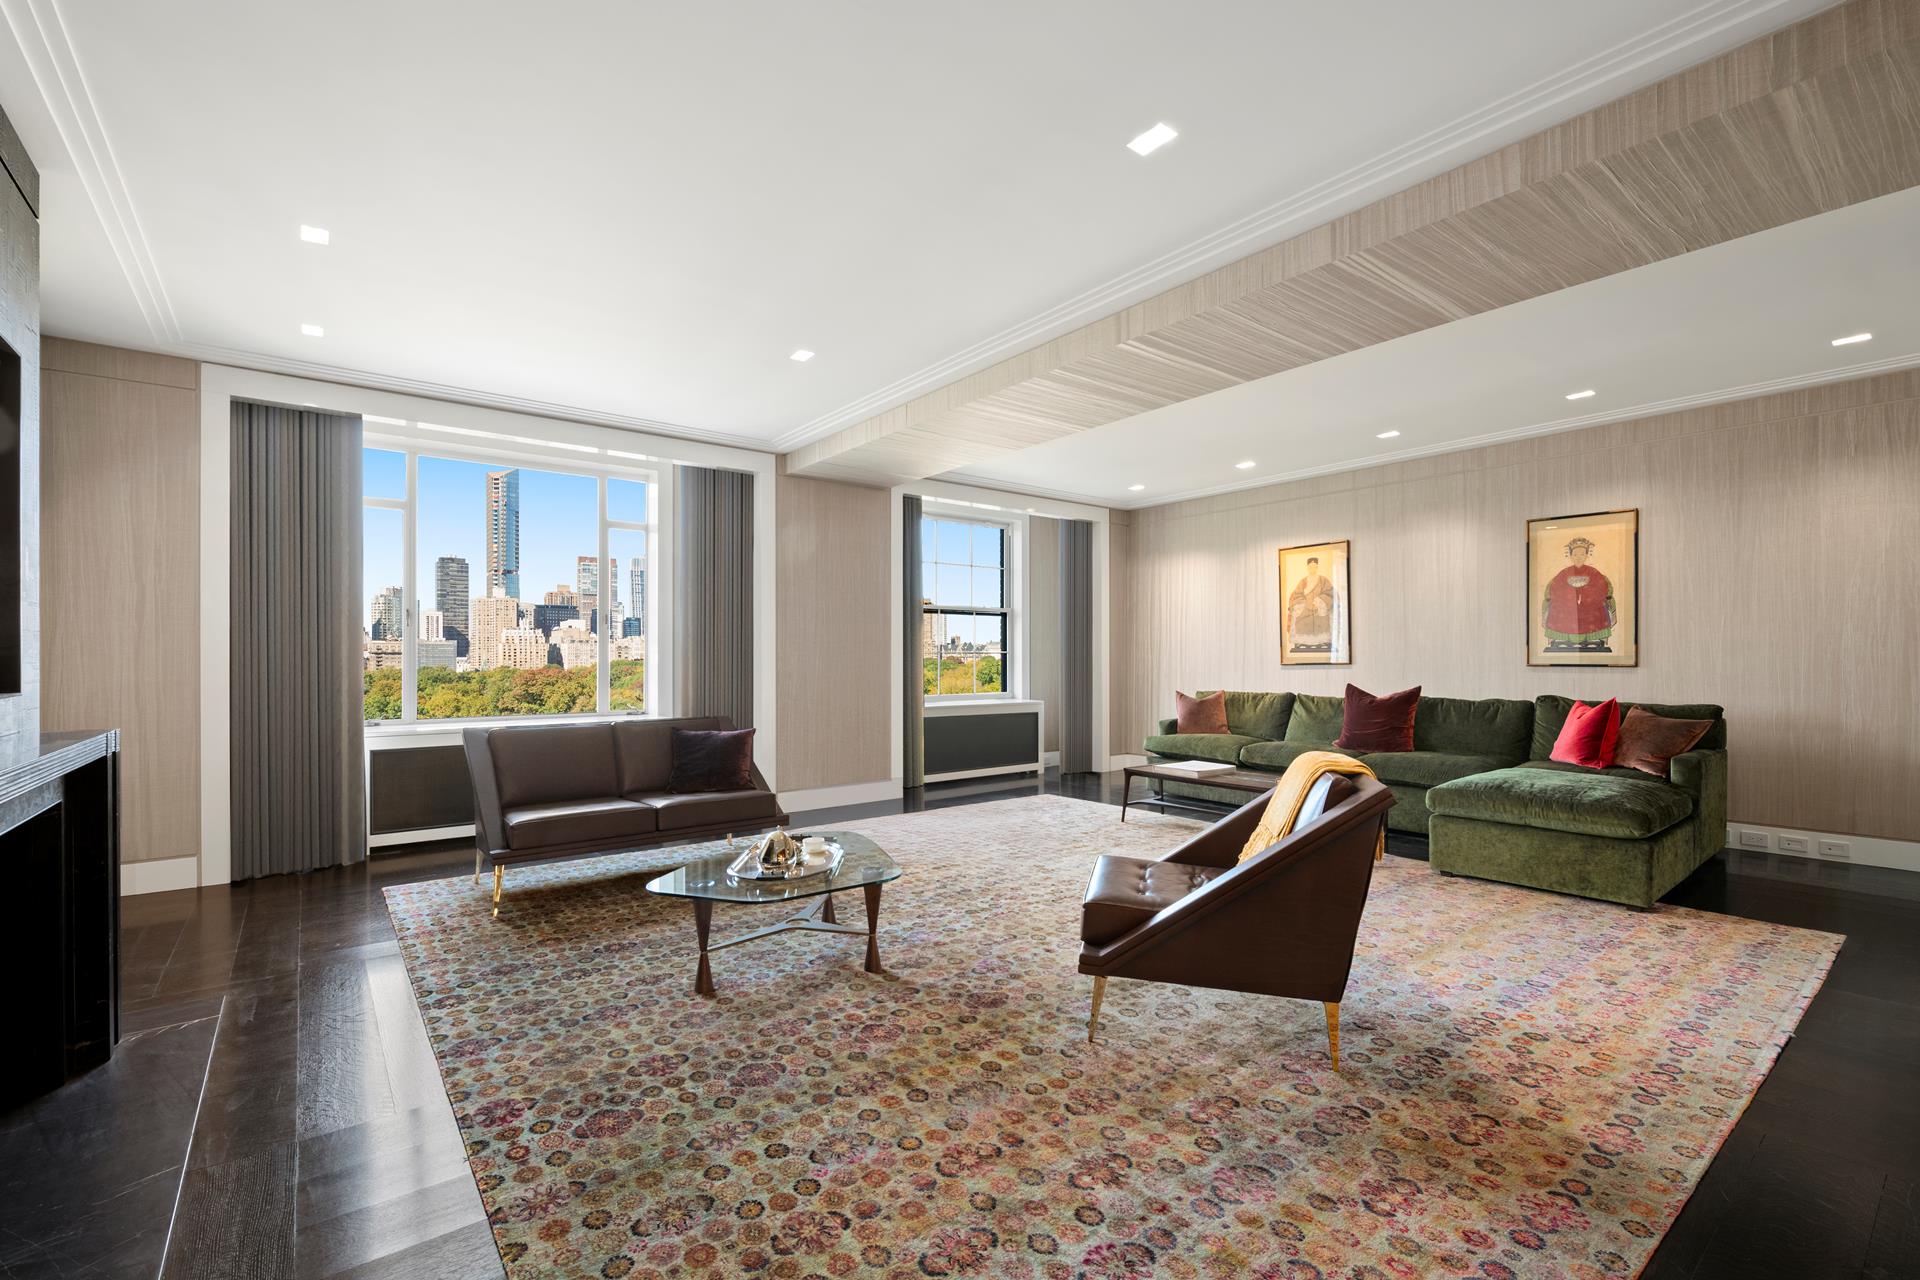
496,585
964,613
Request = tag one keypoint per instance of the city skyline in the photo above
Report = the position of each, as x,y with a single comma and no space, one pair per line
558,523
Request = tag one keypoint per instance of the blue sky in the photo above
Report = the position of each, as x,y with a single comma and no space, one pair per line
558,524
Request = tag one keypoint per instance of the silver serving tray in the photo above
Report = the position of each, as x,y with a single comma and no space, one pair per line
747,865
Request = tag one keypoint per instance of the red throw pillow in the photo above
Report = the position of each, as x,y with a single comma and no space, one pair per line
1200,715
1383,723
1590,736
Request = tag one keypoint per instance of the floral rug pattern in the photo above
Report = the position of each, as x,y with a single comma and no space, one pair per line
1530,1084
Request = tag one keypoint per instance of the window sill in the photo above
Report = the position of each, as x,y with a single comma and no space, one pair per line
978,706
411,730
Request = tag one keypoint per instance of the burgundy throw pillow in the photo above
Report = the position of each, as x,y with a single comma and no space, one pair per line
1383,723
1590,736
1649,742
712,760
1200,715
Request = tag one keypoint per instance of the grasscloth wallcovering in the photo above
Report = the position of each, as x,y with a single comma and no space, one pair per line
836,660
1777,543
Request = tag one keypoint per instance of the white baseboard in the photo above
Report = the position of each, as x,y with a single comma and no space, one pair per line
419,835
834,797
961,775
1050,759
1866,851
159,876
1124,762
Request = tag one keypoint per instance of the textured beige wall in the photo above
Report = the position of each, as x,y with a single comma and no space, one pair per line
835,668
120,601
1043,623
1777,554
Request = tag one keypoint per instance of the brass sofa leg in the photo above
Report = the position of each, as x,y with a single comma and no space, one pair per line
1093,1019
1333,1031
499,889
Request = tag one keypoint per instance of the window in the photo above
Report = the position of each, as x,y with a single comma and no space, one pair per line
963,573
496,589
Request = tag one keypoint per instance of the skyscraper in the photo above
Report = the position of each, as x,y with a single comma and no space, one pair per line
450,596
503,533
386,615
493,617
587,582
637,599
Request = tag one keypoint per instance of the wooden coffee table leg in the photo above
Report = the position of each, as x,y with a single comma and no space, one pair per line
703,922
826,909
873,928
1126,789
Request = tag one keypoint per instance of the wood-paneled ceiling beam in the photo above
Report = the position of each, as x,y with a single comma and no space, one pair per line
1815,117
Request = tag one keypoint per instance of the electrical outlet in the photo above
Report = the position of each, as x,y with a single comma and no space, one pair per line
1754,839
1835,849
1793,844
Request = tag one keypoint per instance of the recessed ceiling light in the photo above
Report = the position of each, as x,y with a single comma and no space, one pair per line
802,355
1852,338
1135,488
1152,140
1581,395
1386,435
315,235
1248,465
313,331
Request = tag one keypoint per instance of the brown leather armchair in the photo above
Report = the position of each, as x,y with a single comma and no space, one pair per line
1282,923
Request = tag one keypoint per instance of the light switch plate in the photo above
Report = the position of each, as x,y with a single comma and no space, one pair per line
1835,849
1754,839
1793,844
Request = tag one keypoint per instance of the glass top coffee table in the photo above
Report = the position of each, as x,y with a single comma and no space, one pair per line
864,865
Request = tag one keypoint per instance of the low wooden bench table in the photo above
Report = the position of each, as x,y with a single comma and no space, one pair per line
1226,779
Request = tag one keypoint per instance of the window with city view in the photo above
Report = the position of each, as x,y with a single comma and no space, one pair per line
964,613
514,612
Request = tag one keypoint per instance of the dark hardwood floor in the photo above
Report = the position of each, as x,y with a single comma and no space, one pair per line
274,1110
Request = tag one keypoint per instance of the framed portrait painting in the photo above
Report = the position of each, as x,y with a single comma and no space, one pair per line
1583,590
1316,622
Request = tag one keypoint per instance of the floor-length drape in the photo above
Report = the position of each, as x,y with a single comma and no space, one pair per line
713,595
1076,646
913,761
299,773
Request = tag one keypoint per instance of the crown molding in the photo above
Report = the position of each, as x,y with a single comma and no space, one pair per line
459,395
1538,106
1630,413
42,37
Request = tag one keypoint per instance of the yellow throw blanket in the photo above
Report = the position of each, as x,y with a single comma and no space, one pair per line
1306,769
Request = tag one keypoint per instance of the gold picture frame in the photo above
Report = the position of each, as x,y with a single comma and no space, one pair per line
1583,589
1316,605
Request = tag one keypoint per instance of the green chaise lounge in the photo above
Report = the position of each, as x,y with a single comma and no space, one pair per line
1480,785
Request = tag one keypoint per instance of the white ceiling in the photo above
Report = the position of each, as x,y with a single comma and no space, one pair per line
633,213
1740,318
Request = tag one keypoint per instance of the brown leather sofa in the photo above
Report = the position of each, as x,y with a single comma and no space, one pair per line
1282,923
564,790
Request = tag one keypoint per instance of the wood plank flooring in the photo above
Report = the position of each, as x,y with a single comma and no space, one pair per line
274,1109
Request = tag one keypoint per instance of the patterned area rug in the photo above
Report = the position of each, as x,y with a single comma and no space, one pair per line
1531,1085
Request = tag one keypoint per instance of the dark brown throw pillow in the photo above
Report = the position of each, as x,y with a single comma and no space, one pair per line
1649,742
1383,723
712,760
1200,715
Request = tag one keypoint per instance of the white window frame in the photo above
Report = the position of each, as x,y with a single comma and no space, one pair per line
1013,664
414,440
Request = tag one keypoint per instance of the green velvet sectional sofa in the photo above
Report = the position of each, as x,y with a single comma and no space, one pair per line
1479,784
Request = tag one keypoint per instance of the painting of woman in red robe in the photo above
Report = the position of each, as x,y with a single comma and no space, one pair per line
1577,612
1582,590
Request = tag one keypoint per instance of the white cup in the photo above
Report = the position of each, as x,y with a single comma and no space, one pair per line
812,845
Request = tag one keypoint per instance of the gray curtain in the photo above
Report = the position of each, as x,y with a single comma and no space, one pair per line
1076,646
913,764
713,590
299,771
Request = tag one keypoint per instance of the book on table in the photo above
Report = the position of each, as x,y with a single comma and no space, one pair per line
1195,768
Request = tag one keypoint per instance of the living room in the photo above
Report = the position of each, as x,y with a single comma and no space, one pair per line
707,642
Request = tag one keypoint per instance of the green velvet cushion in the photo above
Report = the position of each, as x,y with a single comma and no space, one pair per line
1259,715
1278,755
1561,766
1427,768
1223,747
1550,716
1636,872
1316,718
1586,802
1497,727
